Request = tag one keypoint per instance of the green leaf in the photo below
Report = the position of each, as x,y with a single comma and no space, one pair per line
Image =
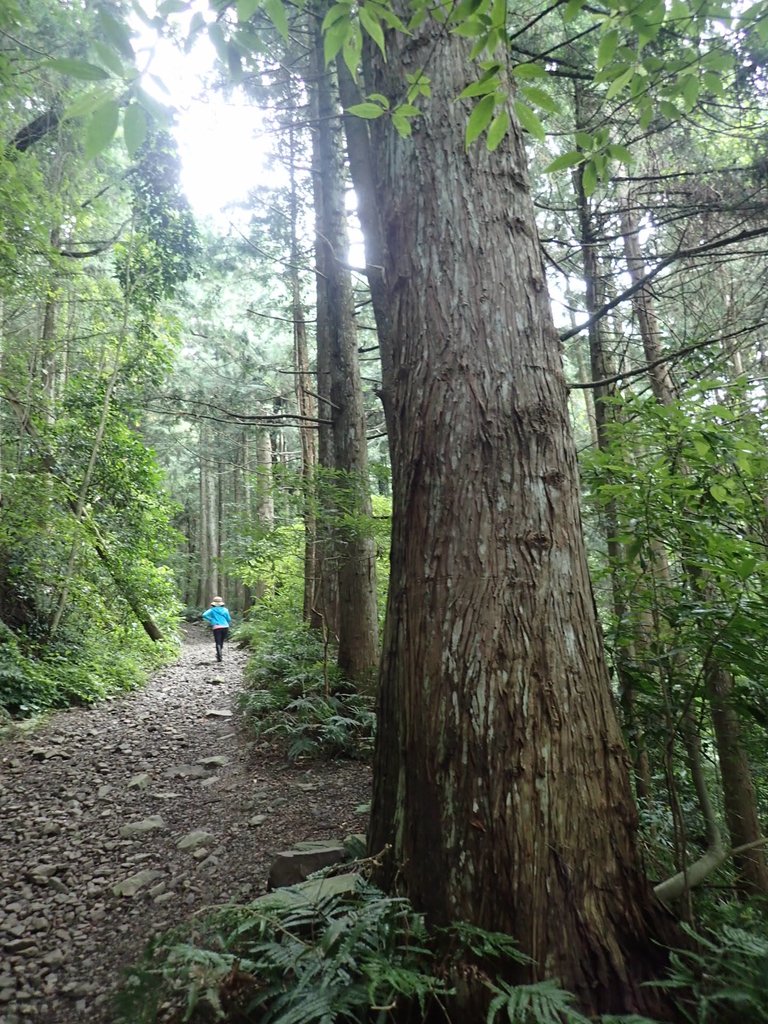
87,102
607,48
109,58
479,119
669,110
101,128
369,111
246,9
620,83
278,15
163,115
529,71
480,88
690,91
565,160
572,9
373,28
497,131
620,153
352,50
540,99
585,140
216,35
719,493
117,34
589,178
335,38
529,121
78,69
337,13
172,7
134,128
402,124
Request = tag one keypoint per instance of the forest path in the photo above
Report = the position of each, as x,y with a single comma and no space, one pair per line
98,796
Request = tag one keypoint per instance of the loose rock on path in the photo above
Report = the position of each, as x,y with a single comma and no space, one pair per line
119,821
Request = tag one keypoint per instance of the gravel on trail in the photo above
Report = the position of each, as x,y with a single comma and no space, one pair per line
121,820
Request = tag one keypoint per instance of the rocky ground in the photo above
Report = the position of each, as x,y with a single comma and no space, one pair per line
120,821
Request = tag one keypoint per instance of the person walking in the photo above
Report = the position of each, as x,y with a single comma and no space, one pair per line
218,617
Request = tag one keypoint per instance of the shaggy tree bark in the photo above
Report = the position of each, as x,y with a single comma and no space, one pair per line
501,780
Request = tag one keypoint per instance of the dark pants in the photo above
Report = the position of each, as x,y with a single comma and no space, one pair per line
219,636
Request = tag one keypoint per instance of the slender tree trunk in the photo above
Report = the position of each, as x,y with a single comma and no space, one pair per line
501,780
305,402
355,549
738,786
643,306
604,413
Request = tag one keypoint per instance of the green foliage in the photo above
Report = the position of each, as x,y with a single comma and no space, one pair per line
297,696
296,957
724,977
541,1003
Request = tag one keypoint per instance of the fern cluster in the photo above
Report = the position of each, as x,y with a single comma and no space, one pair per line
336,950
295,696
724,976
293,957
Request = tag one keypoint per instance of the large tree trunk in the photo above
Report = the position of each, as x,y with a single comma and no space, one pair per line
501,779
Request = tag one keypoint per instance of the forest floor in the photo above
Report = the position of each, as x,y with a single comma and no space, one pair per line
94,806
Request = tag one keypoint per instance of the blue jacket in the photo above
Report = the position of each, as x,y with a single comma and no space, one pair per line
217,616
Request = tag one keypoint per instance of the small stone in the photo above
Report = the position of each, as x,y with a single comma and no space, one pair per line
54,958
187,771
103,791
257,819
217,761
132,885
194,839
140,781
164,897
138,828
218,713
26,945
43,871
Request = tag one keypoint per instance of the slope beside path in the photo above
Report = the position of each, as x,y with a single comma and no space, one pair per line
119,821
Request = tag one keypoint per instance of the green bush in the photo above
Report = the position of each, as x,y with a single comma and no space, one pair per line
723,975
295,695
298,956
333,951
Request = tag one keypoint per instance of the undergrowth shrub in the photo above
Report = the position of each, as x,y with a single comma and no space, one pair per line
724,976
290,958
332,951
296,695
76,668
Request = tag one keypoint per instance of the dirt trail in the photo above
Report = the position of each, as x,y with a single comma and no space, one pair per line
120,821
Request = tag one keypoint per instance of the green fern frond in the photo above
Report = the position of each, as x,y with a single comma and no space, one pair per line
540,1003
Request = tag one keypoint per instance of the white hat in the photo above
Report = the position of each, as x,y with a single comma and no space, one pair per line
217,600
